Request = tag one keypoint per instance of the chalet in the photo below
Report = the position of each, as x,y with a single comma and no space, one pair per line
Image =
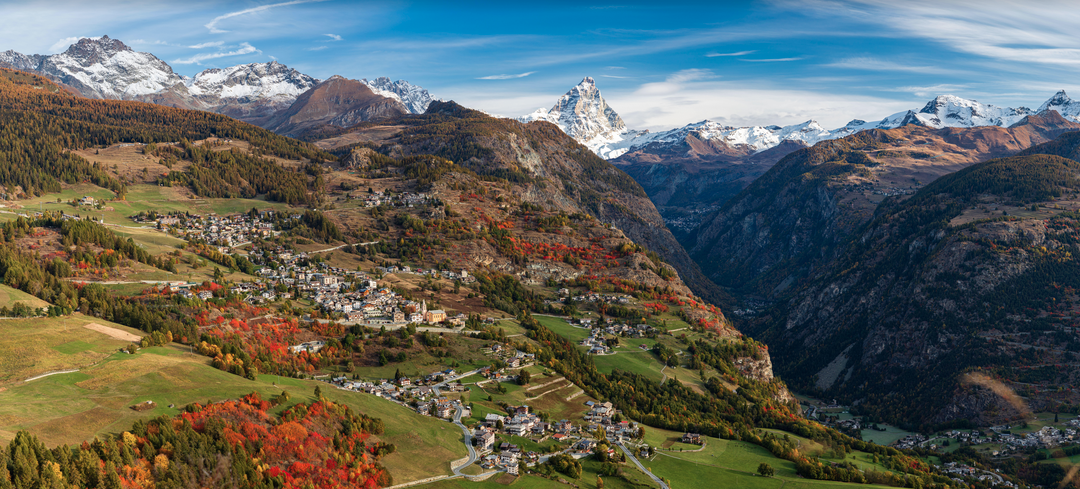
485,440
692,438
87,200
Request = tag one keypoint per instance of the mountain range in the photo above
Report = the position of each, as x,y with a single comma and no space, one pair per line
106,68
584,114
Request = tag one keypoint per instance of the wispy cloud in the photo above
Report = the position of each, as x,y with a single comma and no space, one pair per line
875,64
694,74
1040,32
739,53
333,37
505,77
204,45
244,48
212,25
771,60
317,48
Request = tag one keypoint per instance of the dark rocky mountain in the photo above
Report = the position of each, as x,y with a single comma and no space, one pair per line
794,218
554,170
972,277
338,102
691,180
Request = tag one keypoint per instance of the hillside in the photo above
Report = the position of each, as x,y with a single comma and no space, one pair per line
795,217
972,276
336,102
548,168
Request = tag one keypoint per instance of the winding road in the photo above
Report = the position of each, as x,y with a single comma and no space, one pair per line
634,459
472,451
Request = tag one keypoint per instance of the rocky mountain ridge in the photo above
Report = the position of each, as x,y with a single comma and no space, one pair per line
106,68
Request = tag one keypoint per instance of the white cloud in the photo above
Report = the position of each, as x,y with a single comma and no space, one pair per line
506,77
63,44
204,45
740,53
244,48
694,74
212,25
317,48
333,37
771,60
666,105
875,64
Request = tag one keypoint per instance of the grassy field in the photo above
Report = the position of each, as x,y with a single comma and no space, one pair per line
634,480
9,297
31,347
727,463
73,407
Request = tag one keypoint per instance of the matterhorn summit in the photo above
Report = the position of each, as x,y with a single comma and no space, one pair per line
583,114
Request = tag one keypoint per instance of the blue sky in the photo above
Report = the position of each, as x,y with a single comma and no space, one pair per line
659,64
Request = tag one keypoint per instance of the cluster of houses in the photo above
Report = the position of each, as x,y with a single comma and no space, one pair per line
462,276
224,232
405,199
1046,437
597,343
594,297
425,395
959,470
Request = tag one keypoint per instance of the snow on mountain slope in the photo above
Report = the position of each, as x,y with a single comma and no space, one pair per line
415,98
1067,107
264,80
107,68
583,114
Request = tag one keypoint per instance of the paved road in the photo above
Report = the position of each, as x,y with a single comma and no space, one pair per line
634,459
468,441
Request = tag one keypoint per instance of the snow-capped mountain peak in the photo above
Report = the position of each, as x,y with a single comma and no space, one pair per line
261,80
107,68
415,98
583,114
1059,99
1067,107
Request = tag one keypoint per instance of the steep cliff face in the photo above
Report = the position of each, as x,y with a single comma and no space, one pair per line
962,277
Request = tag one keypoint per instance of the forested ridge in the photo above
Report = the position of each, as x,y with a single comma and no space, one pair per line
39,123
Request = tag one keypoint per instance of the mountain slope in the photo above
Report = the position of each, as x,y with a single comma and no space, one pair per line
791,220
561,174
336,102
964,276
